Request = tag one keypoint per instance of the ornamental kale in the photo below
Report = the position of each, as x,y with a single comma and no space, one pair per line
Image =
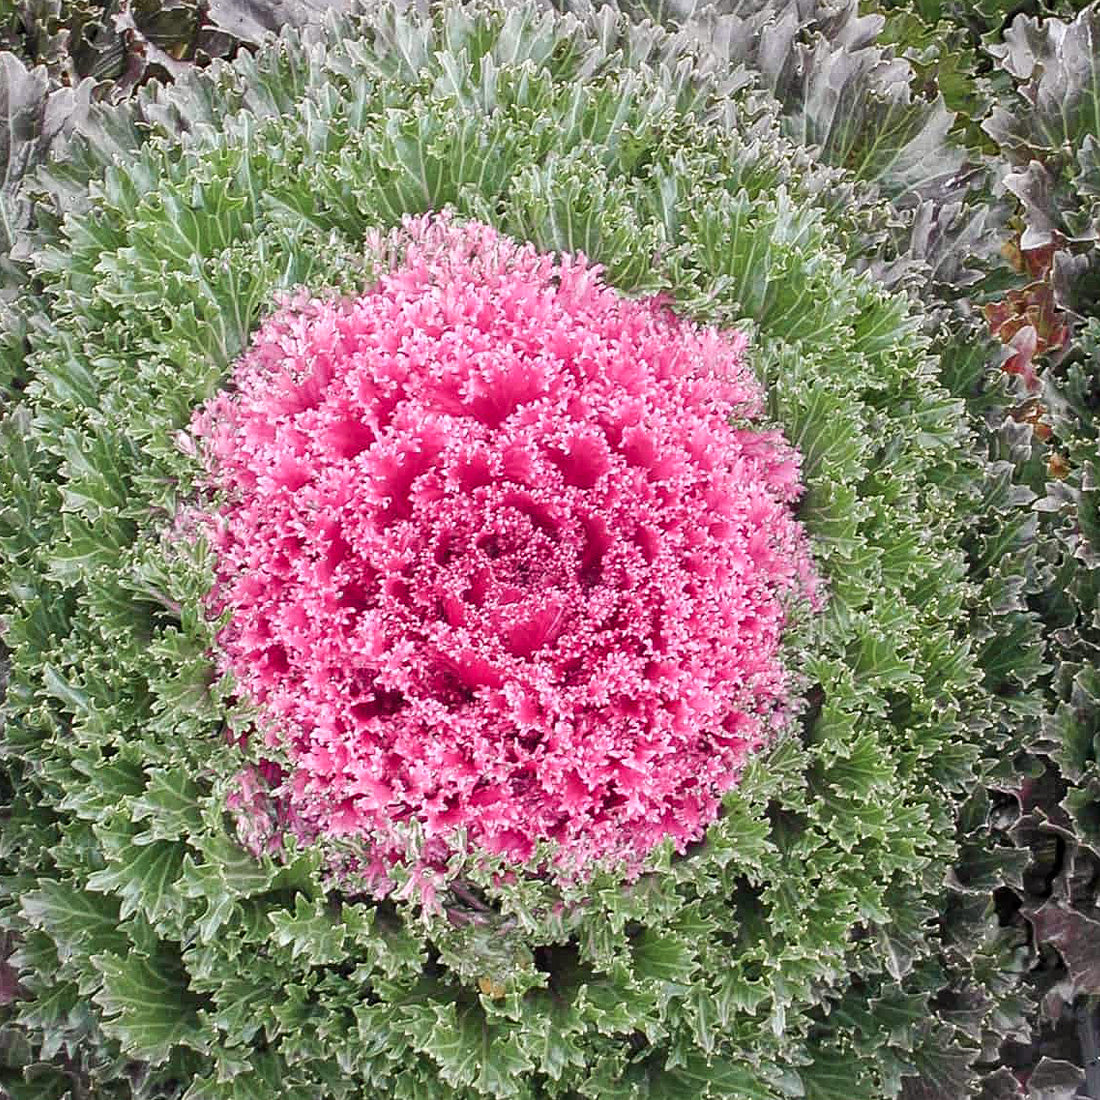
303,538
496,559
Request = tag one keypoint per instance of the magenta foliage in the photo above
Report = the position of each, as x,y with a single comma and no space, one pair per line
497,558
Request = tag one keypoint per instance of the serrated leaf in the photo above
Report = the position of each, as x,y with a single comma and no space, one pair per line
75,919
1054,1079
147,1005
33,115
311,932
836,1075
1077,938
170,802
143,876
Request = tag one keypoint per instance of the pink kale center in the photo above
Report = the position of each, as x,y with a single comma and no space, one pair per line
497,558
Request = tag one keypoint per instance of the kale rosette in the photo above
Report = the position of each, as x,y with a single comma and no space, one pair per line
489,614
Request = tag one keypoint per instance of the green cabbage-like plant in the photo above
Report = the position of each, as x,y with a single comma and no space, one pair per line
1047,129
121,44
800,949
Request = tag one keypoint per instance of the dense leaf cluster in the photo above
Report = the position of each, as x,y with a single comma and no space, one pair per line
1052,151
762,163
114,43
1036,81
119,45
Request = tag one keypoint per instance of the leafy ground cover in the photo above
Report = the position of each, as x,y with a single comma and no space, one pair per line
899,207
